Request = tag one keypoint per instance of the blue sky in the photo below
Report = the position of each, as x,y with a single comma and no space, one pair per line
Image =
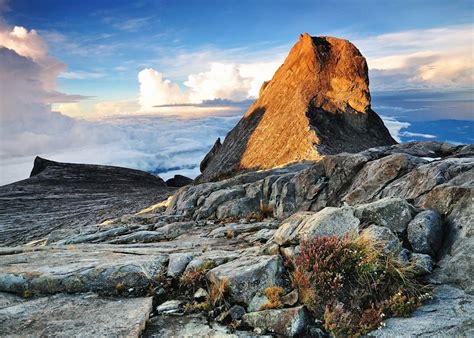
106,43
81,80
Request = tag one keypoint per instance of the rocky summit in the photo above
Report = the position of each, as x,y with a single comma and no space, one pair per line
91,250
151,266
317,103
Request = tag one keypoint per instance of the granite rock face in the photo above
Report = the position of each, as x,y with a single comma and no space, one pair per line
242,229
317,103
75,316
64,197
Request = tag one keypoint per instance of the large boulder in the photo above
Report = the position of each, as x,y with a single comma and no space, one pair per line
393,213
327,222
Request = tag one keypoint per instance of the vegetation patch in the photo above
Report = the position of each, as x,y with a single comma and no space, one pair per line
195,277
273,295
352,284
216,296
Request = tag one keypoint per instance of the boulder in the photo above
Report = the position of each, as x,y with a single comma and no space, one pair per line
425,232
423,264
393,213
178,262
327,222
74,270
257,302
391,243
248,275
287,322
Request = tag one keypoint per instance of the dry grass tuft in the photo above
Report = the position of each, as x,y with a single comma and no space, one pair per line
273,294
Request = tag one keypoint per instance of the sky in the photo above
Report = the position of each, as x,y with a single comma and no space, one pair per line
152,84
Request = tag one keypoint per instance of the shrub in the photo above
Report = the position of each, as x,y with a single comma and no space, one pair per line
352,283
273,294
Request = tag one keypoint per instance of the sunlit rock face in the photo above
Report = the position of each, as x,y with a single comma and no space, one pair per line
317,103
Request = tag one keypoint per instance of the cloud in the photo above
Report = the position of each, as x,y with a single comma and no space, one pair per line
436,58
81,75
394,126
222,81
231,82
155,90
131,25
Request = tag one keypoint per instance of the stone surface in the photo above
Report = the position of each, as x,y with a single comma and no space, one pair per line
425,232
179,181
72,270
194,325
423,263
390,241
317,103
290,299
236,312
393,213
170,306
327,222
85,315
287,322
248,275
69,196
449,314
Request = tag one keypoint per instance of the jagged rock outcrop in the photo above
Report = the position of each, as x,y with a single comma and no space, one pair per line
64,197
416,197
317,103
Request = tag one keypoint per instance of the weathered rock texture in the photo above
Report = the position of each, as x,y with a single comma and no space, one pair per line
240,228
75,316
65,196
317,103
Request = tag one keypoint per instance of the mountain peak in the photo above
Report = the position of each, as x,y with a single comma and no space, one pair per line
317,103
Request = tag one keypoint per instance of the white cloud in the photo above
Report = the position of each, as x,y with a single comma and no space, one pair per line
394,126
425,58
81,75
234,82
155,90
222,81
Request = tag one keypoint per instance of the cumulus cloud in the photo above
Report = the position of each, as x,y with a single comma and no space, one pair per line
222,81
155,90
27,87
235,82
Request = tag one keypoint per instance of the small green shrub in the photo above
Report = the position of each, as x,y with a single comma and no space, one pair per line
352,283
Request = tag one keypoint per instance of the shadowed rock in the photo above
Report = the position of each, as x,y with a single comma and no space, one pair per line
64,197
